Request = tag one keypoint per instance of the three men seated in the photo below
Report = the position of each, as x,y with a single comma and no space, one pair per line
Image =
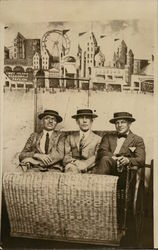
84,151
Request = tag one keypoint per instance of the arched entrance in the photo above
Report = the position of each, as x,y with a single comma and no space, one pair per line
18,69
7,69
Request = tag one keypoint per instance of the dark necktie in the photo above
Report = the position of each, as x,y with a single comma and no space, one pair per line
47,143
81,146
122,135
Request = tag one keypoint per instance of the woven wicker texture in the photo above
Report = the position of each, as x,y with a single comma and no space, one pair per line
62,206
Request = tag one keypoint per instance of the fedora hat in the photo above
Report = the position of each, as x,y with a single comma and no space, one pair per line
52,113
122,115
84,112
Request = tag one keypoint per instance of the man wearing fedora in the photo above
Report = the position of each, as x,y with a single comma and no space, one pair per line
81,146
121,148
45,149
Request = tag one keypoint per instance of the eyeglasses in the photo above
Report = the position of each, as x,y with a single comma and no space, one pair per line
50,118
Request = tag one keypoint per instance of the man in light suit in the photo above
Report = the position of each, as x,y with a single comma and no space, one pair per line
45,150
81,147
121,148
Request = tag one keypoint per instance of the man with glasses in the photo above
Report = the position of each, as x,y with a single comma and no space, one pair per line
45,150
81,146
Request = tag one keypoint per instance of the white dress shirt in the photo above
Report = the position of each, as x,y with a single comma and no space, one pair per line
43,139
120,142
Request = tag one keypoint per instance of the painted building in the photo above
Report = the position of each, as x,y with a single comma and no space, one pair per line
108,78
22,52
143,79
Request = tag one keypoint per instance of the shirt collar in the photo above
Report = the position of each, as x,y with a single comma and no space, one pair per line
86,134
49,132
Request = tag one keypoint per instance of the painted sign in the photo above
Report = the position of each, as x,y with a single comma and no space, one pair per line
18,76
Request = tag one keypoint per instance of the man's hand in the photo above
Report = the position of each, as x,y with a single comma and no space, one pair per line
114,157
80,165
123,161
45,159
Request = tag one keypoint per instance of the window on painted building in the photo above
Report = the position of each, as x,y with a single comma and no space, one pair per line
136,84
88,44
88,48
89,71
92,49
88,55
7,84
119,77
109,77
87,61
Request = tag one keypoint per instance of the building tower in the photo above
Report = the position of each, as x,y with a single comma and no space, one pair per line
130,61
19,47
122,53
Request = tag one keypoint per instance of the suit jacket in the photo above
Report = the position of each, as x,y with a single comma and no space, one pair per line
89,151
133,148
55,150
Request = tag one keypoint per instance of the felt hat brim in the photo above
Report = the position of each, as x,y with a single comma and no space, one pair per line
131,119
84,114
58,117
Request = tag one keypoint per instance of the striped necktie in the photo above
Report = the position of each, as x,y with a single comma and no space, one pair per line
47,143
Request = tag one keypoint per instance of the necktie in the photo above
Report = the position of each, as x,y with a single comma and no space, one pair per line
122,135
47,143
81,146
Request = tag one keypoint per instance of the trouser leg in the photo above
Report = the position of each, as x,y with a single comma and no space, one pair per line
106,166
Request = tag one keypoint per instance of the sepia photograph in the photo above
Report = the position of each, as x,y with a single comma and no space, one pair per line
78,127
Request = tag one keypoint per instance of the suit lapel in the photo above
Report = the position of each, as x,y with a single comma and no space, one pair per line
126,143
39,136
88,140
53,140
113,143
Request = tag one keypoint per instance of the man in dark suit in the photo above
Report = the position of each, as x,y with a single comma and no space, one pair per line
45,149
121,148
81,146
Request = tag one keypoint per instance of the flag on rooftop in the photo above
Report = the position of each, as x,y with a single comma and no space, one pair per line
82,33
116,39
65,31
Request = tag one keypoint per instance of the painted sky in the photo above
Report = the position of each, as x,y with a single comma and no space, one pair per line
137,33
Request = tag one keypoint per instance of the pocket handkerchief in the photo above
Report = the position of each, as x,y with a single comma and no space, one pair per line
132,149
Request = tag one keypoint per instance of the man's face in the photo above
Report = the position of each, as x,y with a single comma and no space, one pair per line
49,122
84,123
122,126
